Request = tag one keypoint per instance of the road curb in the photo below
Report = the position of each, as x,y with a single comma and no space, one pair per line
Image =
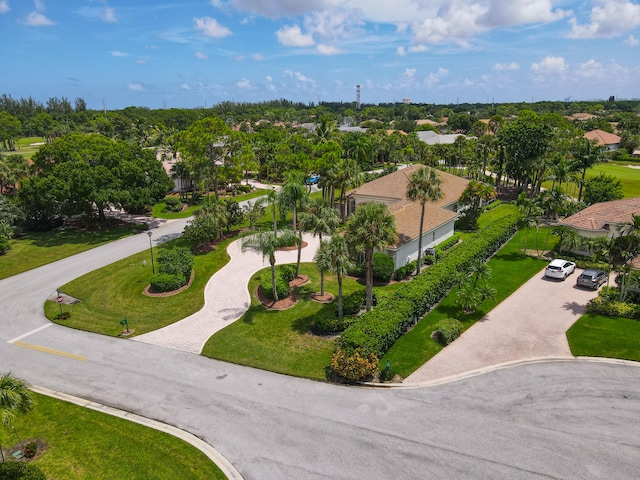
499,366
216,457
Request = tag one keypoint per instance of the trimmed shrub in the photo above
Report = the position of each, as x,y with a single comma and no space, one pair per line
287,272
353,365
358,270
327,321
12,470
382,267
177,262
449,242
165,282
404,272
377,330
4,244
612,308
173,204
352,304
447,331
282,286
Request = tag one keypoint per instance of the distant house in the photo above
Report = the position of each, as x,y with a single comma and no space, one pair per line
604,219
432,138
604,139
439,216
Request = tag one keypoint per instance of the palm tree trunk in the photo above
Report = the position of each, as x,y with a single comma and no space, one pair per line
420,237
299,254
369,278
340,312
322,284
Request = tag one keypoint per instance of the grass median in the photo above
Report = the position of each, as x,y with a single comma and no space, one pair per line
116,291
85,444
281,341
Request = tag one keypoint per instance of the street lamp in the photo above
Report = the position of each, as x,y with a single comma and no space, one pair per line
153,266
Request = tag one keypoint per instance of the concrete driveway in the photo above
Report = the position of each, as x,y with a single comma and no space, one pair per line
530,324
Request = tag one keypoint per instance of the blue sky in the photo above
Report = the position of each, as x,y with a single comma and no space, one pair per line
197,53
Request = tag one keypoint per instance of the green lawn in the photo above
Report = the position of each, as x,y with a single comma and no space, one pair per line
159,208
25,147
35,249
510,269
85,444
280,341
116,291
629,177
599,336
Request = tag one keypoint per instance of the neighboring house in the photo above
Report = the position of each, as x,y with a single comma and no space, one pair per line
604,139
439,216
604,219
432,138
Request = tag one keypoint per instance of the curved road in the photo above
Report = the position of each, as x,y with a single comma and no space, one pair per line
568,419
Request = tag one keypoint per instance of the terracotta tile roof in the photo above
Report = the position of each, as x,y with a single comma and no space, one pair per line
602,137
391,190
599,215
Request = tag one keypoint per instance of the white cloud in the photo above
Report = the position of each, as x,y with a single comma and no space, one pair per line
211,28
257,57
141,61
418,48
118,53
454,23
269,84
435,77
608,19
409,72
281,8
505,13
292,36
109,15
244,84
240,58
328,49
202,55
185,86
302,80
632,41
590,69
37,18
500,67
549,67
136,87
333,24
401,52
4,6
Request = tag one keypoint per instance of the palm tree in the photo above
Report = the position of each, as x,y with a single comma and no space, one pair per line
266,243
319,218
473,195
370,227
333,257
15,399
346,175
586,154
293,194
424,186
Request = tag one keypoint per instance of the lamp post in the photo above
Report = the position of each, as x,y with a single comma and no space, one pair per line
153,266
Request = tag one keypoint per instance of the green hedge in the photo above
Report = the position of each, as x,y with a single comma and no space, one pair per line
174,269
612,308
383,267
377,330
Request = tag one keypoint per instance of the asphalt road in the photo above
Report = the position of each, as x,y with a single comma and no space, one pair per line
553,420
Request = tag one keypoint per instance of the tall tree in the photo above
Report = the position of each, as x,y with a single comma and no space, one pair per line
473,195
586,153
333,256
266,243
371,227
424,186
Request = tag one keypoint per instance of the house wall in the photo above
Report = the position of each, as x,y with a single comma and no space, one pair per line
409,251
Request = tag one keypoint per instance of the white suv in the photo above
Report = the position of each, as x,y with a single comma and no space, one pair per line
559,268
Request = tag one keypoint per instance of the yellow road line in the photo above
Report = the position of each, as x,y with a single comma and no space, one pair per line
50,350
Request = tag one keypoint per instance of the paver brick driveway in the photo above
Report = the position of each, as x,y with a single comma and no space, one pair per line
529,324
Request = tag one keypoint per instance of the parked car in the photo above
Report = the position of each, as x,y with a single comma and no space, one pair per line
591,278
559,268
312,179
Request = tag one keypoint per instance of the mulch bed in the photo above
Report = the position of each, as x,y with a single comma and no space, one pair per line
326,298
292,247
283,303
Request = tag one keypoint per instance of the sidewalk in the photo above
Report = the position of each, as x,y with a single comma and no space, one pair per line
226,298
